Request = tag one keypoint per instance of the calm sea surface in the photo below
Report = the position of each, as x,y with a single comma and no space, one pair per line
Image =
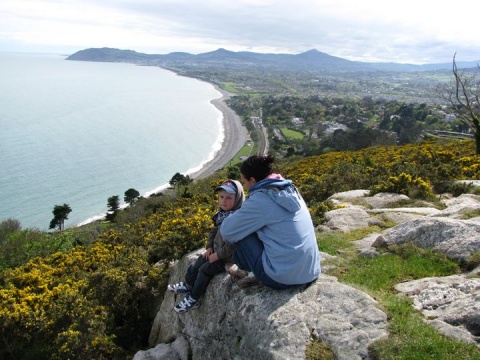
79,132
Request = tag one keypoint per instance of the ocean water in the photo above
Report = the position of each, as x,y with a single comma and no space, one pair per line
79,132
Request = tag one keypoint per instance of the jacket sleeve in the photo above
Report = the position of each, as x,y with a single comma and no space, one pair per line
211,237
250,218
223,249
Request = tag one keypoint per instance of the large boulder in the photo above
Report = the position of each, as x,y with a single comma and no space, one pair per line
456,206
349,218
457,239
261,323
451,304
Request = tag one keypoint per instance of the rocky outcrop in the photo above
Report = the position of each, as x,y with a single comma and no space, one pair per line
450,303
457,239
260,323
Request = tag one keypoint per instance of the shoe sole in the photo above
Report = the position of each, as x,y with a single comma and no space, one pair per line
247,282
181,311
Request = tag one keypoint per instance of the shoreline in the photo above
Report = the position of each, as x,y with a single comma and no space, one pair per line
235,137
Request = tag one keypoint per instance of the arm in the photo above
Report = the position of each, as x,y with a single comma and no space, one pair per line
223,250
209,247
250,218
211,237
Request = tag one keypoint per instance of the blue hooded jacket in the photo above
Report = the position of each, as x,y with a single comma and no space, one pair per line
275,210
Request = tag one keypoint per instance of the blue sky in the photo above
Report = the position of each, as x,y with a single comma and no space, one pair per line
407,31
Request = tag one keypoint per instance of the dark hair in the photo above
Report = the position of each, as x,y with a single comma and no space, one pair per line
257,166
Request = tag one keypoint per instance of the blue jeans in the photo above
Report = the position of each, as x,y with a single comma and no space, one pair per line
248,256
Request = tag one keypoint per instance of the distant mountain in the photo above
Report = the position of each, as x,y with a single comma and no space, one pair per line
312,60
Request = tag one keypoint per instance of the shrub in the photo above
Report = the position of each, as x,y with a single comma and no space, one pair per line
416,188
23,245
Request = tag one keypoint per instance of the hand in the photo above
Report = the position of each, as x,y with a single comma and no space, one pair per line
212,258
207,253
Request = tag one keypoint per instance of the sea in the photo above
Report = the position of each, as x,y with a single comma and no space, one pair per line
76,133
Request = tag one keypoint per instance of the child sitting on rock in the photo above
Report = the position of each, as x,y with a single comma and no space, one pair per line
217,257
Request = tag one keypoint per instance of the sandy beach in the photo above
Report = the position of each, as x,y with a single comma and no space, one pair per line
235,137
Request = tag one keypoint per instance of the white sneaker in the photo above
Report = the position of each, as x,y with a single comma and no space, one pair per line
180,288
187,304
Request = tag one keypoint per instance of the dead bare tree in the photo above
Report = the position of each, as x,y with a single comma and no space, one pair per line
465,99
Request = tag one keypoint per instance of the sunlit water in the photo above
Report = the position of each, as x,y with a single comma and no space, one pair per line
79,132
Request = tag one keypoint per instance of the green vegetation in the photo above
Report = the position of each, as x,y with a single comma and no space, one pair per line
88,295
131,196
230,87
318,350
87,292
60,214
291,134
248,149
315,125
410,337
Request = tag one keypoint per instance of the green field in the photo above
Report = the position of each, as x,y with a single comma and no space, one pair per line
291,134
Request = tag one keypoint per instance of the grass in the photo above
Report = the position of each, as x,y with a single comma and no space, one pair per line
335,242
248,149
469,214
318,350
230,87
291,134
412,203
410,338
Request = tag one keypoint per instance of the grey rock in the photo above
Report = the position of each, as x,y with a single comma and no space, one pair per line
159,352
349,219
450,303
457,205
383,200
262,323
457,239
349,195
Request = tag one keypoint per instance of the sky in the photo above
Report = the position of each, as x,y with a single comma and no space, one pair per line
403,31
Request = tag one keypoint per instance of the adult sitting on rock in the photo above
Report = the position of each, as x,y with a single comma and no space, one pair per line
273,230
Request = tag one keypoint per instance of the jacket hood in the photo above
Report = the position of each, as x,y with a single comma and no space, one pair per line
240,197
239,200
281,191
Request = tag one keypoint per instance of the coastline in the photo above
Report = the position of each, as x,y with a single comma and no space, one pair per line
235,137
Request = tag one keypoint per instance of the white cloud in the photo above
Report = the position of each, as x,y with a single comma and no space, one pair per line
408,31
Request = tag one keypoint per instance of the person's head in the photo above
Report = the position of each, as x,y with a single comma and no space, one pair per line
230,195
255,169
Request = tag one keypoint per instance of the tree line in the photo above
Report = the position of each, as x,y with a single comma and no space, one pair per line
131,196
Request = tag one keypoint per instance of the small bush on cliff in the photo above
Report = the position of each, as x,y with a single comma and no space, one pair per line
406,184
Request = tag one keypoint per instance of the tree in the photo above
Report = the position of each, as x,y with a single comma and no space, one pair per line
7,227
131,196
233,171
180,179
60,214
113,204
465,100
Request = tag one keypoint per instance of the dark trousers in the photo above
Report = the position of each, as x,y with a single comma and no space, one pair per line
248,256
199,274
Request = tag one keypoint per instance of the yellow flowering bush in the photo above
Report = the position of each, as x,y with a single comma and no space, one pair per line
428,163
405,184
69,305
93,302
